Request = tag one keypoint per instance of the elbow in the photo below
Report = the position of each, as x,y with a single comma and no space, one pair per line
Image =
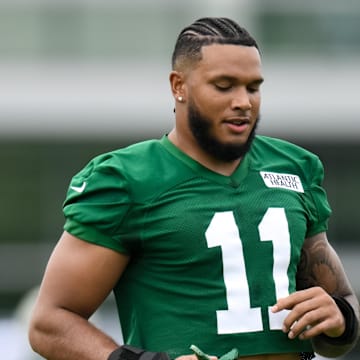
35,335
34,341
39,332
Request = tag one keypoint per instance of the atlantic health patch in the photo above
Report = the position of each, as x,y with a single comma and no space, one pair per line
283,181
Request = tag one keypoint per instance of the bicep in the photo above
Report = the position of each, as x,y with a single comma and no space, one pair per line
80,275
321,266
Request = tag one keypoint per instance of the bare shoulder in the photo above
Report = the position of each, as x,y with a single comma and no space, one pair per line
321,266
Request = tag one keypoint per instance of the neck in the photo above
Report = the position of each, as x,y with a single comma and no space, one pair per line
225,168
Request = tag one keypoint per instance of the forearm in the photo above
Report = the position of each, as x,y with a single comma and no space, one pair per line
321,266
64,335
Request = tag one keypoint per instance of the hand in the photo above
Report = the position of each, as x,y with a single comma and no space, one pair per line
193,357
312,312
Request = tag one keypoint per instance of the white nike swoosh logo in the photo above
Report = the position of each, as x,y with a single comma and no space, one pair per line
79,189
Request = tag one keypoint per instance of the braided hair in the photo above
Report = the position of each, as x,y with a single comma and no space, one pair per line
207,31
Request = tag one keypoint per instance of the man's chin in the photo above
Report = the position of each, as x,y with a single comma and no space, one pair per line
230,151
233,149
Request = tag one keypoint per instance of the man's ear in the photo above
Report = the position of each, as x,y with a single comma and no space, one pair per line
177,84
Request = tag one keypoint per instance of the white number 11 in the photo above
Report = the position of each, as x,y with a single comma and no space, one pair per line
223,232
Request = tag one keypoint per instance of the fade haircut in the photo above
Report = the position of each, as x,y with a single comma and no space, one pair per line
207,31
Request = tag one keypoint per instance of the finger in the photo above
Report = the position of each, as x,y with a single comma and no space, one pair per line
193,357
287,303
308,322
314,323
299,317
314,330
186,357
300,296
331,325
310,332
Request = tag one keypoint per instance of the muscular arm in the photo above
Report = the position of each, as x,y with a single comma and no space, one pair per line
320,266
78,278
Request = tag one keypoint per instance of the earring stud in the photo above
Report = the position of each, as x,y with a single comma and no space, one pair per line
180,98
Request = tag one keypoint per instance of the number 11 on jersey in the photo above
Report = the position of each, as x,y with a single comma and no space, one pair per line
222,231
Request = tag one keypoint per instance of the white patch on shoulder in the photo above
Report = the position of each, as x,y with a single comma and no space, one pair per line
282,181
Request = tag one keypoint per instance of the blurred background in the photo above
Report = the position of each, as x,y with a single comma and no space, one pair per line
80,77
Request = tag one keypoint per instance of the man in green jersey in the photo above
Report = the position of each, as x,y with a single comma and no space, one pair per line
209,236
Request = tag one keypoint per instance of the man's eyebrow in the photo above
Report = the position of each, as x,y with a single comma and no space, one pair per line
258,81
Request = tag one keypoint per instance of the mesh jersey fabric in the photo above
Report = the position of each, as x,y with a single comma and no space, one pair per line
210,253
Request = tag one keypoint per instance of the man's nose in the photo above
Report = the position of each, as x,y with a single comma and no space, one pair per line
241,100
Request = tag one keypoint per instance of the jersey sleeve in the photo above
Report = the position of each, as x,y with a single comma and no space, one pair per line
319,209
96,203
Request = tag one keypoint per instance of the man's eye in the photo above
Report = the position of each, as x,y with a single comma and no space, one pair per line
253,89
223,87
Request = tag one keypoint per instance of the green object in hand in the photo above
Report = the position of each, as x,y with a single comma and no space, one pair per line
231,355
199,353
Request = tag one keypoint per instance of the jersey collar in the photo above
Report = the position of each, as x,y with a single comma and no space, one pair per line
234,180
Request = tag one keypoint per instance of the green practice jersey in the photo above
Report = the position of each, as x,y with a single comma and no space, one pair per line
210,254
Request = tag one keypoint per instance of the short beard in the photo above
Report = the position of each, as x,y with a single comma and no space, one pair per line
200,128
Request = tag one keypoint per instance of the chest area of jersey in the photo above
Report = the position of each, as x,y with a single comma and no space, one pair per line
214,216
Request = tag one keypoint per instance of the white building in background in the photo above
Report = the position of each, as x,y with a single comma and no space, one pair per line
89,68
